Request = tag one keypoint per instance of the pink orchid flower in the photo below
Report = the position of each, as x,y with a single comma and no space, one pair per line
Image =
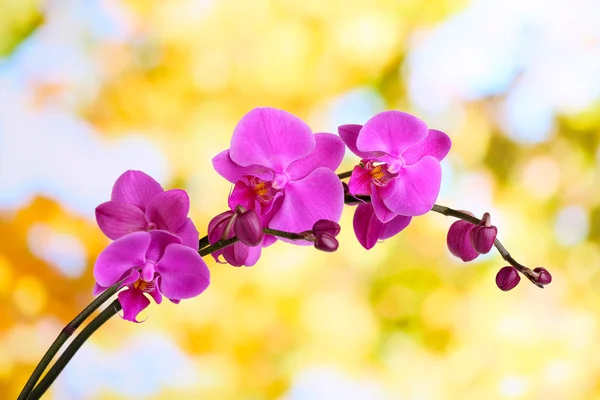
400,166
153,263
139,203
283,171
369,229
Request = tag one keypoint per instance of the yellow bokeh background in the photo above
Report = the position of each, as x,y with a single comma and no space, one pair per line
167,82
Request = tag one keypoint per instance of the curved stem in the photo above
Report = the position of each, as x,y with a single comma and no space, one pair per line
529,273
67,331
283,234
70,351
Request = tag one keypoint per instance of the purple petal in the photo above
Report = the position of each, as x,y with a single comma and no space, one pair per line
135,187
253,256
417,187
217,226
169,210
133,302
328,153
183,273
242,195
349,134
318,196
482,238
459,241
188,234
118,219
159,242
383,213
120,256
360,181
270,138
367,226
395,226
134,275
156,295
236,254
391,132
233,172
248,228
437,144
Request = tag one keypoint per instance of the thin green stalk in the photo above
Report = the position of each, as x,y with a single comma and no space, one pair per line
67,331
70,351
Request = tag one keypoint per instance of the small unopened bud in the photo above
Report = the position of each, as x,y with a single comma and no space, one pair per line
326,243
459,241
545,277
248,228
482,238
507,278
325,226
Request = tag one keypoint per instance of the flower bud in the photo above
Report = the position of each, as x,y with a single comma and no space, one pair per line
507,278
482,238
248,228
545,277
325,226
459,241
326,243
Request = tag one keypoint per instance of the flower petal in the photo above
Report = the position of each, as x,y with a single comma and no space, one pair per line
391,132
159,242
133,276
120,256
395,226
233,172
188,234
360,181
328,152
367,226
135,187
183,273
436,144
349,134
270,138
133,302
417,187
169,209
383,213
118,219
320,195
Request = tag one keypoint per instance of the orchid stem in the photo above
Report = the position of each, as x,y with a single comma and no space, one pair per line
283,234
70,351
344,175
66,332
203,242
228,242
527,272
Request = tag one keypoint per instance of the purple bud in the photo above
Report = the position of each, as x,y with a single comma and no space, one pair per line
545,277
248,228
326,243
459,241
482,238
236,254
507,278
325,226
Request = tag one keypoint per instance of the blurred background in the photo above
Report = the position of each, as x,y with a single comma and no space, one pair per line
91,88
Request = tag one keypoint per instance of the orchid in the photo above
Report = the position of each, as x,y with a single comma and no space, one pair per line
153,263
284,187
400,167
139,203
283,171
